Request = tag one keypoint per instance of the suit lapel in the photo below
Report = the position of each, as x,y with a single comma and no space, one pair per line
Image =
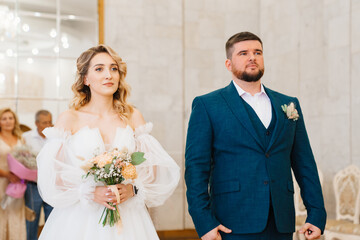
233,100
280,116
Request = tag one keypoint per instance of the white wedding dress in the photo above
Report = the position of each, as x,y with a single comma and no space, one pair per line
62,185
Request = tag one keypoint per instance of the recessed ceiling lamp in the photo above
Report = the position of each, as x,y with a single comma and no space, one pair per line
35,51
53,33
25,27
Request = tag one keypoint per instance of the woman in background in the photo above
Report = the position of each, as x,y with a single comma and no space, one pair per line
12,219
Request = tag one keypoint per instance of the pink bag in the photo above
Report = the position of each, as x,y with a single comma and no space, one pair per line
16,190
20,170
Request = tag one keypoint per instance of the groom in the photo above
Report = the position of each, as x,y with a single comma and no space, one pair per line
242,142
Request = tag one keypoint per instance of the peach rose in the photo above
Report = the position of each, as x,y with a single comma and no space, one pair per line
129,171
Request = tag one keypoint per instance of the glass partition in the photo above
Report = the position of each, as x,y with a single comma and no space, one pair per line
39,43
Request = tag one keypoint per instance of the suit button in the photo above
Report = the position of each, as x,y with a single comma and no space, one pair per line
267,133
267,155
266,182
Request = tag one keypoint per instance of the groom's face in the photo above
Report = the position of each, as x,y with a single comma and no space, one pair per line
247,61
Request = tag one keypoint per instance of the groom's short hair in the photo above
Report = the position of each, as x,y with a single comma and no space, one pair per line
239,37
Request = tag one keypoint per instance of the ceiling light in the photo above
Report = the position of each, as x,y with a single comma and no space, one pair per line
56,49
2,78
53,33
17,20
25,27
35,51
30,60
2,83
64,38
9,52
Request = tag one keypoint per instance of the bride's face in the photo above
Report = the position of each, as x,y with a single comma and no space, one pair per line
103,75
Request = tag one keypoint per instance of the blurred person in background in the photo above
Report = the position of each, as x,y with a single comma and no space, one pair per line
35,139
12,219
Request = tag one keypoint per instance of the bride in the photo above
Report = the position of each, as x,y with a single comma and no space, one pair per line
101,119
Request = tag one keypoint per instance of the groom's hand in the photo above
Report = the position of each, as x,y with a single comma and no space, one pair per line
310,231
214,234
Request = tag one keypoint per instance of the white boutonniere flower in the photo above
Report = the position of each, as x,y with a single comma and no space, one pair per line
290,111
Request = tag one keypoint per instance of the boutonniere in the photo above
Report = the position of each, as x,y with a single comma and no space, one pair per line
290,111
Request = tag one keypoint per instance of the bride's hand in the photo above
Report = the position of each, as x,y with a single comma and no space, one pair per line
126,191
103,195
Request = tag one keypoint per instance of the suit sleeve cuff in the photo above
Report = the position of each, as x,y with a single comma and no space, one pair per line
204,223
318,219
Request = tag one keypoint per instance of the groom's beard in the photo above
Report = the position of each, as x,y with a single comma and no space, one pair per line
248,77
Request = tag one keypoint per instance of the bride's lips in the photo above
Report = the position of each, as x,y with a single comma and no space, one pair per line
108,84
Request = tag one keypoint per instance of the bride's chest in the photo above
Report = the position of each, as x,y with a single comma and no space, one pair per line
88,142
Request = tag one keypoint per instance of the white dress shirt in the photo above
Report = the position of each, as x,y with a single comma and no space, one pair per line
260,102
34,140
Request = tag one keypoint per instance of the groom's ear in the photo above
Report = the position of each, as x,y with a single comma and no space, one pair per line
228,64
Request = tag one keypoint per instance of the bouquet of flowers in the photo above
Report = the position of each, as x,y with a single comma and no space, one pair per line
112,168
24,155
21,162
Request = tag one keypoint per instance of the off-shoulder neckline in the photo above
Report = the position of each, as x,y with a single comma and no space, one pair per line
147,127
98,129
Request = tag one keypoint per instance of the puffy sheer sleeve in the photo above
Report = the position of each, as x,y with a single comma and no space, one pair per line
60,176
159,175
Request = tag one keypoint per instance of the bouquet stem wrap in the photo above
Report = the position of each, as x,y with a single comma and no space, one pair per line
114,189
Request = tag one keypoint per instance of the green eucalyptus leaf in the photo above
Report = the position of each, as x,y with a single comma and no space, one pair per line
107,167
137,158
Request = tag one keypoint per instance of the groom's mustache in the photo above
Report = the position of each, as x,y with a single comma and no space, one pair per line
252,63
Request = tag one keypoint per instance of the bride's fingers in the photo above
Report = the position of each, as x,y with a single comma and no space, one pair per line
111,199
108,206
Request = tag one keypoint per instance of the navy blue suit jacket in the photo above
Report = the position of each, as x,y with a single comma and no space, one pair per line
224,160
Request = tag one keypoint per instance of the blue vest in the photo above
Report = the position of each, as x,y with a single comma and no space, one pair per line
264,133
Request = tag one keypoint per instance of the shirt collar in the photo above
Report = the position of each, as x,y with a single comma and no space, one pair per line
36,134
242,92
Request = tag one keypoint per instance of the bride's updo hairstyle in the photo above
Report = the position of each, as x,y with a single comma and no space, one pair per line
82,92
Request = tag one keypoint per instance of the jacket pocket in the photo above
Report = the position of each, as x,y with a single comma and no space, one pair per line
226,187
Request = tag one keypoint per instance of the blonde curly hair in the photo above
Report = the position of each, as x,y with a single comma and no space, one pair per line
16,131
82,94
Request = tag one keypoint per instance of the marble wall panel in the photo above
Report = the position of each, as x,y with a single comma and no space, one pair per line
282,73
175,51
148,35
310,96
339,28
338,81
311,26
355,105
277,27
355,26
173,212
335,140
335,8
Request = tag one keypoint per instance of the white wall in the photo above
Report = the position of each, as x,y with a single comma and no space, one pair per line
175,51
